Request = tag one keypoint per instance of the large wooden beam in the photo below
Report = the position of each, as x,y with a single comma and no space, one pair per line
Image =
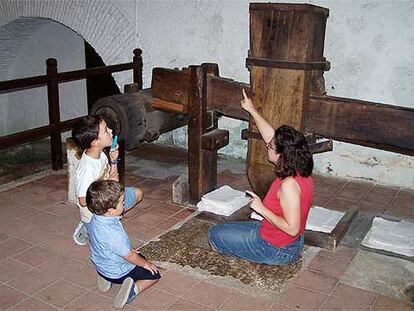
360,122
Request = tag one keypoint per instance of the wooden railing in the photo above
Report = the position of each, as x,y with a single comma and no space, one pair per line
52,80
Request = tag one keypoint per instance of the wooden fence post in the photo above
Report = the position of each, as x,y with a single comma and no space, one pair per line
54,113
138,67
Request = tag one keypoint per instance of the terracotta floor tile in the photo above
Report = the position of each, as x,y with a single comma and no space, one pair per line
340,204
18,211
153,299
381,194
183,304
372,207
4,237
60,294
9,197
320,199
316,281
59,195
176,283
36,234
208,294
401,210
62,208
91,302
85,277
34,256
387,303
59,244
62,266
302,299
341,252
9,297
36,187
239,301
13,246
10,269
183,213
329,266
168,223
16,228
329,186
278,307
355,295
56,181
149,218
36,200
335,303
33,304
167,208
34,280
159,194
80,253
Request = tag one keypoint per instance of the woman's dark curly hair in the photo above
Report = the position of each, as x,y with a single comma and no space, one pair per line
294,155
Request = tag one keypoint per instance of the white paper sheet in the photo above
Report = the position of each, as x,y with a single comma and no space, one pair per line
393,236
322,219
319,219
223,201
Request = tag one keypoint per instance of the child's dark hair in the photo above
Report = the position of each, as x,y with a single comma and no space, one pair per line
86,130
294,155
103,195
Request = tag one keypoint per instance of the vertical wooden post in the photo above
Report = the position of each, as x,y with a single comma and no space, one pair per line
197,105
54,113
210,157
138,67
286,45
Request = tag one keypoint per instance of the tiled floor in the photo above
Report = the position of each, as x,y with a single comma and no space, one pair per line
42,269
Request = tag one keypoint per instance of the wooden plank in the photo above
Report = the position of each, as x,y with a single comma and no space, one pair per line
321,65
196,111
289,8
170,85
360,122
331,240
54,113
168,106
35,134
215,139
224,96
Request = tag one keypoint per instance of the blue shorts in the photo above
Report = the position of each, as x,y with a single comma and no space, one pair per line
130,197
242,239
138,273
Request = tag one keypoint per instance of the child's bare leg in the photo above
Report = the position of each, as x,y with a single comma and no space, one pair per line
144,284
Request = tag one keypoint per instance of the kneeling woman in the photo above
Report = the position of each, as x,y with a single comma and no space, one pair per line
278,238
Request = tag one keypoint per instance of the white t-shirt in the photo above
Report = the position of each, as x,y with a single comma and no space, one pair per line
90,170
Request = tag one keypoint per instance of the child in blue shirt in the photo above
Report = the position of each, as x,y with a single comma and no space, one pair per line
111,251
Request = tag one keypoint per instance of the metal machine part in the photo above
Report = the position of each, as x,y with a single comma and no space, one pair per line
131,117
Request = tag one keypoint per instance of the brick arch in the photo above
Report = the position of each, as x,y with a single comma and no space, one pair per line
100,23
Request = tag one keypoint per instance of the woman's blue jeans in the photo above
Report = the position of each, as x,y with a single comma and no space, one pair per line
242,239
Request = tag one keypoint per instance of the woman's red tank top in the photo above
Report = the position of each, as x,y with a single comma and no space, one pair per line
270,232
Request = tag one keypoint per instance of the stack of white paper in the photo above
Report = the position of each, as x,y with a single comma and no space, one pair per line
223,201
319,219
392,236
322,219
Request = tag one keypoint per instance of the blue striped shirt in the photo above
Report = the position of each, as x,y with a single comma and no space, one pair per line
109,243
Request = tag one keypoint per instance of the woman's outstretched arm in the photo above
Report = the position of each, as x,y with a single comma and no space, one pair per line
265,129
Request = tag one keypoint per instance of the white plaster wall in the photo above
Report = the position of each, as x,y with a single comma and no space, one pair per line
369,43
27,44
